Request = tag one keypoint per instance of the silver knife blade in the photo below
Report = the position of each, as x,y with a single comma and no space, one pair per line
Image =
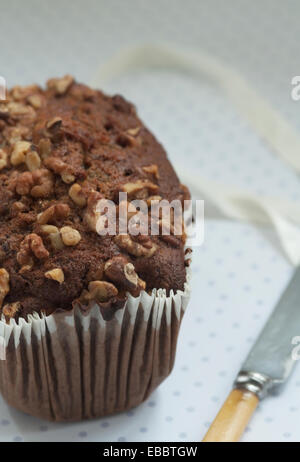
270,361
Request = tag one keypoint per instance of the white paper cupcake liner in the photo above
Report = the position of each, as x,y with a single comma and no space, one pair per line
74,365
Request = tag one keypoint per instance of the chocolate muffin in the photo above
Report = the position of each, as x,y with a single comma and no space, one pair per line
63,150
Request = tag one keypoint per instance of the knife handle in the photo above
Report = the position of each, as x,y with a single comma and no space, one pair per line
233,417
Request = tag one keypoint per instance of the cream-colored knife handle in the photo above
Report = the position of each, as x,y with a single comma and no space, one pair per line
233,417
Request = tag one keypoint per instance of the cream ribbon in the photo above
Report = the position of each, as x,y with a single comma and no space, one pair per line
236,203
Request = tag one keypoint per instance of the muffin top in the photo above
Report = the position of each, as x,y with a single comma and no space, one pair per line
62,150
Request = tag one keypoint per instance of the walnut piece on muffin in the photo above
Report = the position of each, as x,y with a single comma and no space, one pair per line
62,149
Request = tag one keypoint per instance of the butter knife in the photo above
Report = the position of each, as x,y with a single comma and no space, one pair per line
266,369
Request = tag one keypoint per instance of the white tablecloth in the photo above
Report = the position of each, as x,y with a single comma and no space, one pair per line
239,272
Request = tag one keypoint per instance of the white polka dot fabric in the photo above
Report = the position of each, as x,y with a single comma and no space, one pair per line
239,272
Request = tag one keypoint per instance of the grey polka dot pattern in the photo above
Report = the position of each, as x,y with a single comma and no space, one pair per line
239,273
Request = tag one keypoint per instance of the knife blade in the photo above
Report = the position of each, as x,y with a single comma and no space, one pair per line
270,361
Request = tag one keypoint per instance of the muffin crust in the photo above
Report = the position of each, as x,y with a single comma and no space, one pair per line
62,149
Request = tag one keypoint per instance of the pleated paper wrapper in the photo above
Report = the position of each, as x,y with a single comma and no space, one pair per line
74,365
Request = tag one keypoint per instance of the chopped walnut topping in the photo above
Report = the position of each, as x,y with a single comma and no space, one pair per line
122,273
14,134
133,131
53,213
38,183
67,178
35,101
56,241
145,240
18,93
44,148
32,244
57,136
70,236
49,229
153,198
18,155
54,123
27,267
77,196
56,274
19,109
61,168
24,183
4,285
152,169
140,189
125,242
91,215
16,208
32,160
43,183
54,235
11,309
3,159
101,291
37,247
124,140
131,276
60,86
